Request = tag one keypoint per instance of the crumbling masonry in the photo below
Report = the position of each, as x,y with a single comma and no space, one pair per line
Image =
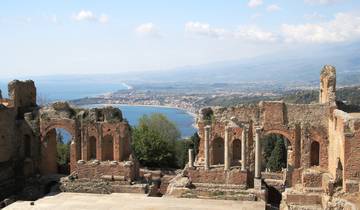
323,149
99,148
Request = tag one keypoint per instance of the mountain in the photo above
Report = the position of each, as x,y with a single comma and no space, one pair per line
289,68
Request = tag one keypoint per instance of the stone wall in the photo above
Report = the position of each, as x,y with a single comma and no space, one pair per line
218,176
327,85
18,153
96,170
320,135
28,138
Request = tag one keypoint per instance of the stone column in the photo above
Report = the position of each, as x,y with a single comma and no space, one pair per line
257,154
243,148
191,158
226,149
206,147
99,143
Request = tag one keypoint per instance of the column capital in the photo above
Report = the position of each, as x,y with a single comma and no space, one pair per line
228,128
258,129
207,127
245,127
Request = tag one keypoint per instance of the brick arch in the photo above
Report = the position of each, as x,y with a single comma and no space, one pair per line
319,136
217,150
48,127
287,134
67,124
291,158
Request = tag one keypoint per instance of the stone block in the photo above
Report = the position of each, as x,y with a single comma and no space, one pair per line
351,186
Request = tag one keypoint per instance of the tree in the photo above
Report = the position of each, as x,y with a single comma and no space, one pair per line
183,146
277,160
195,139
63,150
154,141
269,145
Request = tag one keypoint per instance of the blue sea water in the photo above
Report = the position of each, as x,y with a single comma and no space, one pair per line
183,120
65,89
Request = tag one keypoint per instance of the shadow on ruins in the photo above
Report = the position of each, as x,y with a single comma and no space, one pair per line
322,151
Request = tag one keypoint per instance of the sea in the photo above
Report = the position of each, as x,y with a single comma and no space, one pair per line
62,90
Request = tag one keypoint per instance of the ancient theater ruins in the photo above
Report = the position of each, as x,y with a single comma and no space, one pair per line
322,142
99,146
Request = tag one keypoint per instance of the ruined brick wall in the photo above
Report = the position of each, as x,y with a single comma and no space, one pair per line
18,148
28,144
91,170
7,152
352,148
218,176
102,132
7,134
300,124
22,95
327,85
336,141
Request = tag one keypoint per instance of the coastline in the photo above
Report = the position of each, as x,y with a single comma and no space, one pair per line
147,105
193,115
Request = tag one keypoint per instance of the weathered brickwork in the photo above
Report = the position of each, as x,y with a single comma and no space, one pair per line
96,170
28,139
321,137
218,176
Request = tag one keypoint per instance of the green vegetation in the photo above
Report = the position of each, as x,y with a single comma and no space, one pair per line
275,152
154,141
351,95
183,148
269,145
277,160
63,150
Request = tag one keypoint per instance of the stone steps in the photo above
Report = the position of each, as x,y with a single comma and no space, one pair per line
269,175
277,184
136,188
221,186
304,207
101,187
220,191
302,198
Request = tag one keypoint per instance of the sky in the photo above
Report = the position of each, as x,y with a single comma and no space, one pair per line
113,36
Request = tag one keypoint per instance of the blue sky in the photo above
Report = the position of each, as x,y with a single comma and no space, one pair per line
88,36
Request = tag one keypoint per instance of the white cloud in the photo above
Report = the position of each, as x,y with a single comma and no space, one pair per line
87,15
248,33
254,33
324,2
204,29
273,8
344,27
255,3
147,29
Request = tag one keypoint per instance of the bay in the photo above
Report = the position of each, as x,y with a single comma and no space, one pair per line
182,119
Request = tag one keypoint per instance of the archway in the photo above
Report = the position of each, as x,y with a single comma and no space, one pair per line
339,174
315,154
236,150
275,149
55,152
92,148
218,151
108,148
